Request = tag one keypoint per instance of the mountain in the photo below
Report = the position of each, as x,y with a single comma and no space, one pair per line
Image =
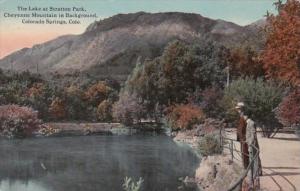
112,46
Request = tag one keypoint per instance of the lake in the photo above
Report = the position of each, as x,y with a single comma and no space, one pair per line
94,163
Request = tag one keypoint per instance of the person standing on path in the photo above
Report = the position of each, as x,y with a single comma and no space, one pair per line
246,134
241,134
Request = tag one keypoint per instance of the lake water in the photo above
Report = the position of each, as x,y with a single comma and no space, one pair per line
95,163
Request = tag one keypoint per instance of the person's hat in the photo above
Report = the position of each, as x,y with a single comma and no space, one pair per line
239,105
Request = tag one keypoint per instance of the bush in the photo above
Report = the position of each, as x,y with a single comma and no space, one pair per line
260,98
209,145
184,116
17,121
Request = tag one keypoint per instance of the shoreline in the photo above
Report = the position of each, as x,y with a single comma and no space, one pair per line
90,128
214,172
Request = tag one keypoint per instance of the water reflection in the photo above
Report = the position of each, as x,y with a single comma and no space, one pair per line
97,163
21,186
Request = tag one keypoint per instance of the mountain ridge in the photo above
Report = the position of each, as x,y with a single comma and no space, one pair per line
111,46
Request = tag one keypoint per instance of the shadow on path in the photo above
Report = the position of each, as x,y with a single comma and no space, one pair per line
282,175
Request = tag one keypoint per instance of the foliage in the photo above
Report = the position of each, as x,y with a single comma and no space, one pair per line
281,56
128,110
245,62
184,116
17,121
57,109
288,111
180,71
209,144
260,98
97,92
104,111
130,185
75,105
57,100
208,100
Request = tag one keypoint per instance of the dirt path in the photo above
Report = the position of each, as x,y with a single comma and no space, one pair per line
280,158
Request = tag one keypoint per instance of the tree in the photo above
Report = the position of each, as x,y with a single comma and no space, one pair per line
184,116
181,70
104,111
208,100
97,93
57,108
288,112
281,57
260,98
38,96
76,108
245,62
128,110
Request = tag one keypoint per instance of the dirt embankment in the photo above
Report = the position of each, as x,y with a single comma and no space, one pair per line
215,173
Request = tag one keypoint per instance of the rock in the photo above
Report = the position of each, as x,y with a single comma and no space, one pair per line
217,172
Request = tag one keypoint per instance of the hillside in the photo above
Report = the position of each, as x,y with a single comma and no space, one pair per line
112,46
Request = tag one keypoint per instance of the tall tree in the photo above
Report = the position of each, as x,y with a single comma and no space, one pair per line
245,62
281,56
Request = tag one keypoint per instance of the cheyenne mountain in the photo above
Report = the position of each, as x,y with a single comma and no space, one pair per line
112,46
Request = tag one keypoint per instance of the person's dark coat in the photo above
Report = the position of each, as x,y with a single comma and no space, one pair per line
241,129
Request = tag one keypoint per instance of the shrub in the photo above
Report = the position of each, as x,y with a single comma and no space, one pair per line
130,185
209,145
17,121
260,98
288,112
184,116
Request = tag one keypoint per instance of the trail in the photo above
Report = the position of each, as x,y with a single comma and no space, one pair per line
280,158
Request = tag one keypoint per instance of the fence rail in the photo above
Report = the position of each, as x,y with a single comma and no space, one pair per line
252,171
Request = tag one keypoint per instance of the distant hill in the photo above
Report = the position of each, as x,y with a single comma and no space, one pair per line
112,46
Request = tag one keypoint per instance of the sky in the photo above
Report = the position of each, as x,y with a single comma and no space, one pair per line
15,35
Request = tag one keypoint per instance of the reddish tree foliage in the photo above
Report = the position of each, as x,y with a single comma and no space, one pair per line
288,112
184,116
57,109
104,111
245,62
18,121
281,56
73,90
97,92
35,90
